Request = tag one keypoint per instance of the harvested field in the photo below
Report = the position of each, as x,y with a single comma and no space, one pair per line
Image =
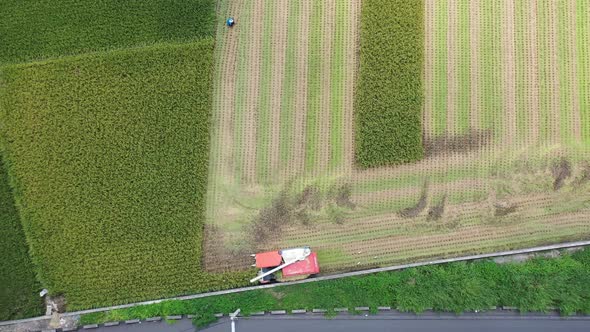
505,134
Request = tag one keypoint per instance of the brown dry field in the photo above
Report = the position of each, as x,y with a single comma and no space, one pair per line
504,159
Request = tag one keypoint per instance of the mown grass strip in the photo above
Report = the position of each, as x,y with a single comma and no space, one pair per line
242,81
263,131
544,91
289,85
464,62
314,84
110,164
338,83
491,67
531,286
441,23
389,94
522,118
53,28
19,287
563,56
583,39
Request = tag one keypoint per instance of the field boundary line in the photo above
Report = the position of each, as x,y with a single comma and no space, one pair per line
322,278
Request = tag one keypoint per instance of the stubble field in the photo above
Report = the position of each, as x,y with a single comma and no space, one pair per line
505,135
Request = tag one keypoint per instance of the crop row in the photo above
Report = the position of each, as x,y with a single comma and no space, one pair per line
389,88
109,162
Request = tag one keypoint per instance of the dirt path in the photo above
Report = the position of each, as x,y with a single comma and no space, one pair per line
429,33
250,120
298,158
509,70
572,71
221,162
225,90
279,50
553,86
328,28
352,42
475,60
452,65
532,72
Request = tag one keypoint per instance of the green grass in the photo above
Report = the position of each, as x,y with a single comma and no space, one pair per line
522,117
440,71
289,85
544,71
264,124
314,85
19,289
109,155
464,62
35,30
242,81
388,106
583,38
456,287
491,83
338,73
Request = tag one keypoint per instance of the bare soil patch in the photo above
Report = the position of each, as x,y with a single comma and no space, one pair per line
415,210
449,144
217,256
437,211
504,208
561,170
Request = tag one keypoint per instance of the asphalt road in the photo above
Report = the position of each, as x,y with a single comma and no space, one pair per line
380,323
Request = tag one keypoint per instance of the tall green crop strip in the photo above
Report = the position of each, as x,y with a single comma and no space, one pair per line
389,89
109,157
42,29
18,286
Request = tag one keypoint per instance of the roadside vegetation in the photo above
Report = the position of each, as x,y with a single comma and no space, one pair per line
19,288
49,28
109,162
389,94
534,285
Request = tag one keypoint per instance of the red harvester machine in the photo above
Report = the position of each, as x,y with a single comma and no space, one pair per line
291,263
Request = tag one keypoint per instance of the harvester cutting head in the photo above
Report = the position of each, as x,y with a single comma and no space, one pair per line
291,262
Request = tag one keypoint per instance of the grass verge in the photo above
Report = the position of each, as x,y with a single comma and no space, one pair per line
457,287
19,288
389,95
